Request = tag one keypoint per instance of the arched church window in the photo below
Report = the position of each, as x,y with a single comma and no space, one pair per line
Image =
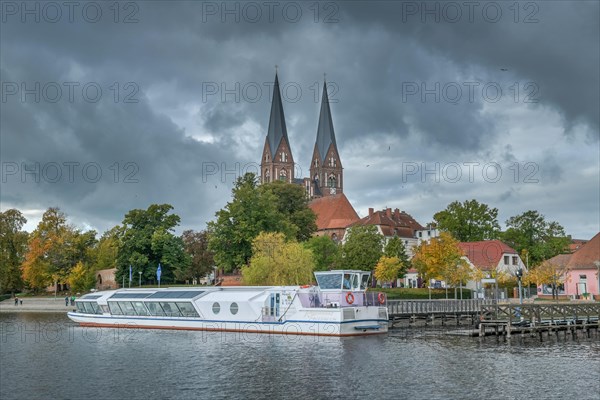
331,181
316,163
282,175
267,176
332,162
283,157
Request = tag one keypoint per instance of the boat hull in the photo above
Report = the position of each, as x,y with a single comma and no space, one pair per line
290,327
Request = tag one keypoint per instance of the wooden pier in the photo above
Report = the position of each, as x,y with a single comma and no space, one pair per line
488,317
537,319
442,310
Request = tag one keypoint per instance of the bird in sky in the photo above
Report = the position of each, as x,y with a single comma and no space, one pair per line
503,69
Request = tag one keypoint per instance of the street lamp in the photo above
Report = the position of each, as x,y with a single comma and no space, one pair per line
140,281
519,274
598,276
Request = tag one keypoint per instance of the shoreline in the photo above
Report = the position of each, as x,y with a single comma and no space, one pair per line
36,305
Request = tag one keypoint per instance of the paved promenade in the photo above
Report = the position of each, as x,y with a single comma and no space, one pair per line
36,304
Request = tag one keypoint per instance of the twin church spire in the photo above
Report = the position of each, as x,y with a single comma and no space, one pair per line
277,163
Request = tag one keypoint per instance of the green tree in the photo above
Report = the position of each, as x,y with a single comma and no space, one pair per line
147,239
277,262
201,258
395,248
105,253
13,247
362,249
250,212
531,232
387,268
292,204
325,251
469,221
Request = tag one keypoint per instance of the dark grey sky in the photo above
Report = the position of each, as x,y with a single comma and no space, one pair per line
169,101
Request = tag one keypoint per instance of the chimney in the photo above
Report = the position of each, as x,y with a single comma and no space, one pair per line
397,213
370,211
388,212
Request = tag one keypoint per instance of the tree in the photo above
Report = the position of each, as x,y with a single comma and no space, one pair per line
250,212
362,249
326,252
292,204
530,231
54,249
395,248
201,258
277,262
146,239
81,278
469,221
13,247
387,269
547,273
438,257
105,253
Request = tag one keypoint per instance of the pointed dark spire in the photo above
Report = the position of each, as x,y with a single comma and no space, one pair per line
277,129
325,133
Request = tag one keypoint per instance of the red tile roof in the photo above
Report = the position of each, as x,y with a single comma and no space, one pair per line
392,223
562,260
587,255
576,244
333,212
486,254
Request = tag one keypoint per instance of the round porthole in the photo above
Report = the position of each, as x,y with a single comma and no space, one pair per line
216,308
234,308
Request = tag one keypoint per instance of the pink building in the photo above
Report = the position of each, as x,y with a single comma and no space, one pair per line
583,268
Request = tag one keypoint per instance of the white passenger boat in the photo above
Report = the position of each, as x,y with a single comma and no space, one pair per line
339,305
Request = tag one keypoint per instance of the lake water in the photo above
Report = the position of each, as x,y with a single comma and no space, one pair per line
45,356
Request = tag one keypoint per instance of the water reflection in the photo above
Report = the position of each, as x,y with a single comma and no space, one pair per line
46,356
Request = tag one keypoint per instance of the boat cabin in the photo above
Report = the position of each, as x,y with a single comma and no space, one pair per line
349,279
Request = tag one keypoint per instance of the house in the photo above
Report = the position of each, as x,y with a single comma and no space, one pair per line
583,268
491,256
394,223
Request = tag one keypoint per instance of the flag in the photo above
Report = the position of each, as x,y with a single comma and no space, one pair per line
130,274
158,272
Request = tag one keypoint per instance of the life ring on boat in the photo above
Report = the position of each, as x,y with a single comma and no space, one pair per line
304,286
381,298
349,298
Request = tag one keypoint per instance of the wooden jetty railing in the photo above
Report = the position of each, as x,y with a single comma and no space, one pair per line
507,318
400,308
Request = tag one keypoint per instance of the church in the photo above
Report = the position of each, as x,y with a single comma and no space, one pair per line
325,185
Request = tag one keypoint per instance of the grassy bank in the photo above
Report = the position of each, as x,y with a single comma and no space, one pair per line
422,294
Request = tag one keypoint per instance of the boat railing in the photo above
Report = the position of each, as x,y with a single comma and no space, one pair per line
341,299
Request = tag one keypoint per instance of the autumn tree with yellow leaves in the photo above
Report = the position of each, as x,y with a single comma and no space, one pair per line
441,259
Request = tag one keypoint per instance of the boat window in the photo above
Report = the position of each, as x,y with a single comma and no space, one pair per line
95,307
127,308
364,282
155,309
80,307
216,308
355,284
234,308
170,309
114,308
139,307
346,282
187,309
329,281
104,309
